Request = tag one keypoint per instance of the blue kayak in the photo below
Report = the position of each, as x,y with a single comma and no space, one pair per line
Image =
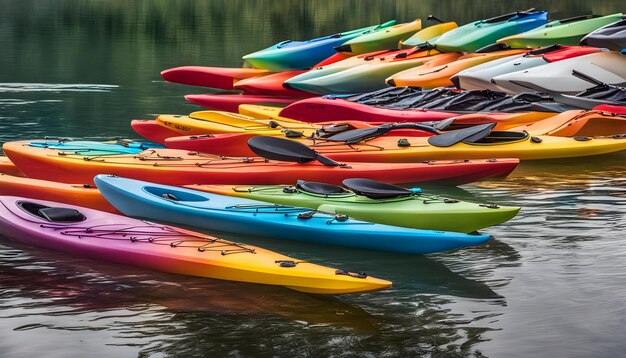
87,148
301,55
250,217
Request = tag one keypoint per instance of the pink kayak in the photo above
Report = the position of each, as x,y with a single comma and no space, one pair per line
611,108
323,109
214,77
231,102
110,237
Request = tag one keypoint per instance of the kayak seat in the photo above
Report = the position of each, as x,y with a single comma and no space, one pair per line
320,188
65,215
376,190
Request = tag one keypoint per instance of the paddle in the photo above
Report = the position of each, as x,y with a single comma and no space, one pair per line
358,135
470,135
287,151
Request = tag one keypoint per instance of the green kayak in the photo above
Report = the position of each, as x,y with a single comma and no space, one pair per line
478,34
378,202
563,32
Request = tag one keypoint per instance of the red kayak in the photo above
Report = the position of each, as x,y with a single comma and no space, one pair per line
328,109
611,108
285,162
272,85
152,131
214,77
231,102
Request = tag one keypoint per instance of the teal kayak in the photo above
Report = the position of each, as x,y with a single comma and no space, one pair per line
300,55
481,33
250,217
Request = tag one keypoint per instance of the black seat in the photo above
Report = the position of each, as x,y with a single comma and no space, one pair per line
375,189
320,188
65,215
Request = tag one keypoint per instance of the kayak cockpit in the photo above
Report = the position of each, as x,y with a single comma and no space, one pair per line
60,215
174,195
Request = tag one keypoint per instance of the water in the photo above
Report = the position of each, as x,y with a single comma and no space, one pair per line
550,284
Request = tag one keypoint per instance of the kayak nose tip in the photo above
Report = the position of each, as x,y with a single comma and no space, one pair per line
391,82
456,81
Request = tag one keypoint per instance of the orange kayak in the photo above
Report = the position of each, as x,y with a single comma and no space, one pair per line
432,74
578,123
75,194
176,167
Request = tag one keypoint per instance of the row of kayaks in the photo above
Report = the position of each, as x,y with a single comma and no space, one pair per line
81,219
324,170
366,63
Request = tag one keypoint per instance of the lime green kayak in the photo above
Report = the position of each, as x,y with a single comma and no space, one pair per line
377,202
563,32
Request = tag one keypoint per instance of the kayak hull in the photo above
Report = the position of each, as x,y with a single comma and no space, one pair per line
231,102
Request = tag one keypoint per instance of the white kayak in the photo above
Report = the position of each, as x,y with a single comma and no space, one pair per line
567,76
479,77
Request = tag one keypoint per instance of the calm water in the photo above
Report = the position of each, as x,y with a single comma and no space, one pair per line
551,284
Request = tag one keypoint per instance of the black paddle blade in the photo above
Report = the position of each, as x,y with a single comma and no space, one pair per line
470,134
375,189
286,150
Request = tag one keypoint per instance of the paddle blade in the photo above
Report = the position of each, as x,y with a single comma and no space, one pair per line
470,134
286,150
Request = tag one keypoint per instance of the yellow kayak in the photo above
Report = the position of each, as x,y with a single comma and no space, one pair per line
380,144
214,122
428,34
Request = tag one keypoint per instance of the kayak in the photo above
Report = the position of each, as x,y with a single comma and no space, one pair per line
272,85
85,195
478,34
376,202
214,77
109,237
387,38
204,123
299,55
611,36
231,102
315,110
377,57
376,145
283,161
434,74
408,104
369,77
578,123
151,130
428,34
7,167
600,94
251,217
615,109
564,32
567,76
479,77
